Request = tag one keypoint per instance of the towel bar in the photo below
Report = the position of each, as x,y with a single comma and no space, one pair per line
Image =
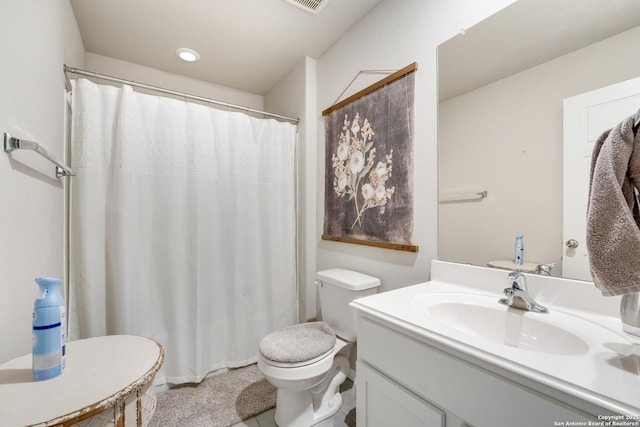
462,195
11,143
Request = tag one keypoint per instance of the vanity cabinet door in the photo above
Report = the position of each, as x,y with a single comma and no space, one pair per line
382,402
462,389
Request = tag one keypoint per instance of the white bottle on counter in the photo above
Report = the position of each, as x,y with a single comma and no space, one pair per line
518,258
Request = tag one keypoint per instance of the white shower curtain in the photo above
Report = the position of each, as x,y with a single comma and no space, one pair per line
182,227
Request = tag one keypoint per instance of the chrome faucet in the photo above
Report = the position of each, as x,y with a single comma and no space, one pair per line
545,269
518,297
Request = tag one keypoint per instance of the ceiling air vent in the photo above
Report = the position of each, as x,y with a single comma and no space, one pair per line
313,6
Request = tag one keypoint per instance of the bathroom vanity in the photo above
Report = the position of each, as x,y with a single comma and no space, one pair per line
446,353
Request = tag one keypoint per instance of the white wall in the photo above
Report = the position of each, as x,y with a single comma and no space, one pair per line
38,36
507,137
395,34
154,77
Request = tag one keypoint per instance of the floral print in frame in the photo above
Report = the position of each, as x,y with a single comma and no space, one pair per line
369,166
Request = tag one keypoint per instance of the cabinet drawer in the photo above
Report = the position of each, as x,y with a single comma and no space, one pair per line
473,394
382,403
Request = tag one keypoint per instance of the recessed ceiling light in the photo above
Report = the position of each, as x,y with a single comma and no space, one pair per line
187,54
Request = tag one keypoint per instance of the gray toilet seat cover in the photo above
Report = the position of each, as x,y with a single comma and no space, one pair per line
298,343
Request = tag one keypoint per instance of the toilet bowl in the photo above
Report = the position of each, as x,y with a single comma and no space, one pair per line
307,363
308,392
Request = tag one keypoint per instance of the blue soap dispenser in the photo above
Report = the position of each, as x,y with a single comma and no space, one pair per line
49,324
518,258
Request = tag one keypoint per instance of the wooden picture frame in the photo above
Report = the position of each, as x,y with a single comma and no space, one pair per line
369,165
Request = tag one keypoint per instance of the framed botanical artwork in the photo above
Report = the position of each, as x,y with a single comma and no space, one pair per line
369,165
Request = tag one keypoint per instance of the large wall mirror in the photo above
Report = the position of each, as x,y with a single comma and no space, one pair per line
500,123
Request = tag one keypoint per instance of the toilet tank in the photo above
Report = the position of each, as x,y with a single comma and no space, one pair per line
338,287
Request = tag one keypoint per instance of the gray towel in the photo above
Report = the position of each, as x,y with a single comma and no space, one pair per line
613,215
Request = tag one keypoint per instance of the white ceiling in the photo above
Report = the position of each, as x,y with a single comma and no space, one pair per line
247,45
525,34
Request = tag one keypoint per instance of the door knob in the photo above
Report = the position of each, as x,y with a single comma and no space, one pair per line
572,243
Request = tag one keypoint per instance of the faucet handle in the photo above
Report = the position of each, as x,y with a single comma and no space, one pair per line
518,284
545,269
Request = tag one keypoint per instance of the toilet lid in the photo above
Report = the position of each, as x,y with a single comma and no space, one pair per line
298,343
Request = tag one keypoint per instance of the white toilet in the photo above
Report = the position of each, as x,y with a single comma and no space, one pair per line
307,363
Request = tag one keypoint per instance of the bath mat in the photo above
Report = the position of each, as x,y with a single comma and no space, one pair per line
218,401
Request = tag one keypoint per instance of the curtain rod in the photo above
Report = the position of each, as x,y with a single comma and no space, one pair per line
80,72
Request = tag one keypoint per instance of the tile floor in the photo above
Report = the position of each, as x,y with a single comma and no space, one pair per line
345,417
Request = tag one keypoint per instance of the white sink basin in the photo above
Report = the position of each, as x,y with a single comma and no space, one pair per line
577,349
483,317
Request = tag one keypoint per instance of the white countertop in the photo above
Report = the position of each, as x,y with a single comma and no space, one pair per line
527,267
607,374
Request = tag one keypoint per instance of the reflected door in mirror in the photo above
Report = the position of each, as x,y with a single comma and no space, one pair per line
585,118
